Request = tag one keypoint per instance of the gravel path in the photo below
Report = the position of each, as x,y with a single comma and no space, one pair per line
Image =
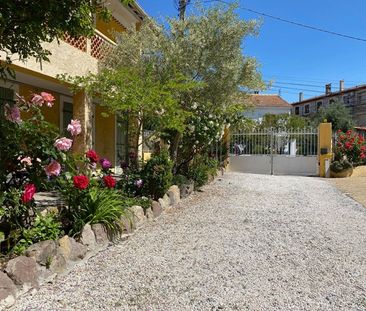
247,242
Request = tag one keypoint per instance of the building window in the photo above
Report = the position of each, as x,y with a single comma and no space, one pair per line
6,97
297,110
67,115
307,108
122,140
318,105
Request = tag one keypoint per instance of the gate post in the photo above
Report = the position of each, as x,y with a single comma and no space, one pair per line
325,152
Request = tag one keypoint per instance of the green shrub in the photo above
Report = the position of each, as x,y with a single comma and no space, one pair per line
202,168
97,206
157,175
180,180
45,228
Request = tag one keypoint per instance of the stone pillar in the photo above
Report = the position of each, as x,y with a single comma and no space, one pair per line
325,152
83,110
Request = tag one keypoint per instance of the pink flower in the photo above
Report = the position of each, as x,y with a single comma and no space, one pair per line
53,169
74,127
138,183
105,163
48,98
26,161
63,144
12,113
37,100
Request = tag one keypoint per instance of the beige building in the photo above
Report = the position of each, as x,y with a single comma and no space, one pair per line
353,98
107,135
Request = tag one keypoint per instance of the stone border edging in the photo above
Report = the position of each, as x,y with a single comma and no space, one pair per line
46,260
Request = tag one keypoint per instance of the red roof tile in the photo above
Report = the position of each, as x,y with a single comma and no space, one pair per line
268,100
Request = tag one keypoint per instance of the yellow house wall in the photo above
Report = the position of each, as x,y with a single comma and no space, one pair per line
105,134
51,114
109,28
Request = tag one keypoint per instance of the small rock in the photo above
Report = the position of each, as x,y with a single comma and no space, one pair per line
139,215
156,209
101,234
72,250
42,252
88,237
174,194
149,214
128,224
8,291
23,271
58,263
164,202
186,190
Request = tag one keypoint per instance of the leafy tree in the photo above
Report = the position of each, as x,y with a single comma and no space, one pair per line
208,47
283,121
337,114
25,25
183,79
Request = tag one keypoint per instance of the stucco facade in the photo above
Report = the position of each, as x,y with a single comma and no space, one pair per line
78,57
353,98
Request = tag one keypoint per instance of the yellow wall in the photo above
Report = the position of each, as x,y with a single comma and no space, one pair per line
51,114
105,134
325,141
109,28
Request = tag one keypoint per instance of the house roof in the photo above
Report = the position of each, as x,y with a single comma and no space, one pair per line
268,100
351,89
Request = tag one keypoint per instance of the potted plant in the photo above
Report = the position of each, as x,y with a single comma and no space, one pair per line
341,168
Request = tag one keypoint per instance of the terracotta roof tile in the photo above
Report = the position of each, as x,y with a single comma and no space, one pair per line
268,100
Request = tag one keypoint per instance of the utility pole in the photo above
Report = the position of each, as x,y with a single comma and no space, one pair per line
182,5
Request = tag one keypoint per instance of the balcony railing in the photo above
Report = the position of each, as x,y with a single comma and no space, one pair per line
98,46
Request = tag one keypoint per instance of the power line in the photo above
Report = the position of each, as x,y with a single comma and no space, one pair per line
290,83
294,23
309,79
300,89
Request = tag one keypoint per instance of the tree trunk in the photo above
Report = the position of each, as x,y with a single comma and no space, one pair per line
174,145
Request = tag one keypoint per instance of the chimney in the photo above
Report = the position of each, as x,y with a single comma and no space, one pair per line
328,88
341,85
301,96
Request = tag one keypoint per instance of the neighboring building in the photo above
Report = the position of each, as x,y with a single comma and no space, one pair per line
262,104
354,98
107,135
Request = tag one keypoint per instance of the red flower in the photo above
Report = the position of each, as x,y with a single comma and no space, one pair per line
363,148
92,156
349,132
29,191
362,156
348,145
341,137
109,181
81,182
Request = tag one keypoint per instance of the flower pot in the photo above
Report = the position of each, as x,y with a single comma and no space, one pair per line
344,173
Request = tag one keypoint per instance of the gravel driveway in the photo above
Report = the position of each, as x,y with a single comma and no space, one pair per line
247,242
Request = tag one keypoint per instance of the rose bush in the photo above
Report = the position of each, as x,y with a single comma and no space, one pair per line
350,146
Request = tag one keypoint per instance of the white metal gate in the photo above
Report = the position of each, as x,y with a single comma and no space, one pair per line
272,151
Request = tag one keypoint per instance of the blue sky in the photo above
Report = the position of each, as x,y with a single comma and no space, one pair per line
289,54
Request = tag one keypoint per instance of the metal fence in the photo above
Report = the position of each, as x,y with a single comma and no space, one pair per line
293,142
